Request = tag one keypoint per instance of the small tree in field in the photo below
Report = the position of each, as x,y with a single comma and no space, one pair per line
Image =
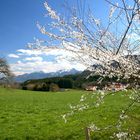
114,45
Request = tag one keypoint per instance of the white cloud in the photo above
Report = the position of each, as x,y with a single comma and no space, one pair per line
13,55
18,62
29,52
33,59
37,52
28,67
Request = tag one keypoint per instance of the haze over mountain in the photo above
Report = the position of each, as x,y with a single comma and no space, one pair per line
41,74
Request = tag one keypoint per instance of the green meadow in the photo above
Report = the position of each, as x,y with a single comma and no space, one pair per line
28,115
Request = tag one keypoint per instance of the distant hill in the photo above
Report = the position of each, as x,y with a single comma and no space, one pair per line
41,75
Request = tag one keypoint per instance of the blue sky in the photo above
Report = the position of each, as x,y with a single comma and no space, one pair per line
18,20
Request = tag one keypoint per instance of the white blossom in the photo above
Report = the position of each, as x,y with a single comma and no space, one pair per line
93,127
64,117
122,135
51,12
83,98
97,22
112,10
123,116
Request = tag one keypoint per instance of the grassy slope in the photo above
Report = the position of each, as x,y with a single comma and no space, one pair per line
36,115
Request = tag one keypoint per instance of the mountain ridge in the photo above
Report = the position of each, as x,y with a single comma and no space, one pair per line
41,75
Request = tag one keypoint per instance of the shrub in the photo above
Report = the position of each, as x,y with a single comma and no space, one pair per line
54,87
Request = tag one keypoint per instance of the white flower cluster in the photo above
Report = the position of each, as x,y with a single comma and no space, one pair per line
135,95
122,135
79,107
64,118
112,10
83,98
93,127
51,12
97,22
122,117
100,97
78,35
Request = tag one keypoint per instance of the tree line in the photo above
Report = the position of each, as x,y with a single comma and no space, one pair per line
77,81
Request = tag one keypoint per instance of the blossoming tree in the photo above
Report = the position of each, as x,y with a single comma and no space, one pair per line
115,45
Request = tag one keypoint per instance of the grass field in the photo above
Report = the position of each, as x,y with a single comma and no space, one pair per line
27,115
